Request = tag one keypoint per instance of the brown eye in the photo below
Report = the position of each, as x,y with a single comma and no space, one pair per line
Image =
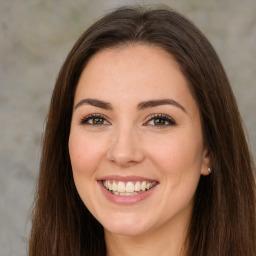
97,120
94,120
160,121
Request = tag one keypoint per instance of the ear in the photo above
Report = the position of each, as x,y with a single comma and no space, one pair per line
206,162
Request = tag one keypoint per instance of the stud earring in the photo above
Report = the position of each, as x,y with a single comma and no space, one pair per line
209,170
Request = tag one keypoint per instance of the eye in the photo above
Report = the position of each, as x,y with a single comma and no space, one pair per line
160,120
94,119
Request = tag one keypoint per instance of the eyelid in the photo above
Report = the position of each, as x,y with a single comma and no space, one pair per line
85,118
161,116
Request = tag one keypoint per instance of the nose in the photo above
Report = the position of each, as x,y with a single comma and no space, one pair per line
125,149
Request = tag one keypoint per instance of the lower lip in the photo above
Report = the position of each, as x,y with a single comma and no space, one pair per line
126,199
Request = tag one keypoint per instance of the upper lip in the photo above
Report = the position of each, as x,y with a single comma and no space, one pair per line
126,178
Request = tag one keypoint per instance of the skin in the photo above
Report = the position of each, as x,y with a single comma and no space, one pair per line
130,142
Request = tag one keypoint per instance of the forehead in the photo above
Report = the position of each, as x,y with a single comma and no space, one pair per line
133,72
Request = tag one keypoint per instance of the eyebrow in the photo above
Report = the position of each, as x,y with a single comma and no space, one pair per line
95,103
141,105
155,103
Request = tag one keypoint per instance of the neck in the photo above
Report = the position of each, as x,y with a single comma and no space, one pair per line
163,241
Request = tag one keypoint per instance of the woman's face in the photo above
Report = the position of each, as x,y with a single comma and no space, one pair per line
136,143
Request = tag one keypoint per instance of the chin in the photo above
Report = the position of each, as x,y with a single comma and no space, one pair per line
127,226
126,230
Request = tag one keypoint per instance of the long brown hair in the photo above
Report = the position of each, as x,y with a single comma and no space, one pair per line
223,221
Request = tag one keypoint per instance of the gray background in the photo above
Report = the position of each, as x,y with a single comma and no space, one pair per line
35,37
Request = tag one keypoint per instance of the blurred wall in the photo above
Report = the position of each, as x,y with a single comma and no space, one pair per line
35,37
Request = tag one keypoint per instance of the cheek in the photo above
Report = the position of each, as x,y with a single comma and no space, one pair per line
84,154
179,158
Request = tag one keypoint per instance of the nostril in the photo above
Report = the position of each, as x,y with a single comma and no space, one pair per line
125,158
125,149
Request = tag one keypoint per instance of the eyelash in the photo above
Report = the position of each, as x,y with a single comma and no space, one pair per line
170,121
85,120
165,118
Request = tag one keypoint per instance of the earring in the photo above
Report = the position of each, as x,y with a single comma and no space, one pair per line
209,170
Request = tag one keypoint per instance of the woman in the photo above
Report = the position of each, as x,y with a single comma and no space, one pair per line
144,151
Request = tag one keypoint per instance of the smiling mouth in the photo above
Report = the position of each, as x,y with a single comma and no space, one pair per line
129,188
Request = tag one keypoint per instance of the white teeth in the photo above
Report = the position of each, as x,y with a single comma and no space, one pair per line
109,186
143,185
137,186
120,187
114,186
129,188
126,194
